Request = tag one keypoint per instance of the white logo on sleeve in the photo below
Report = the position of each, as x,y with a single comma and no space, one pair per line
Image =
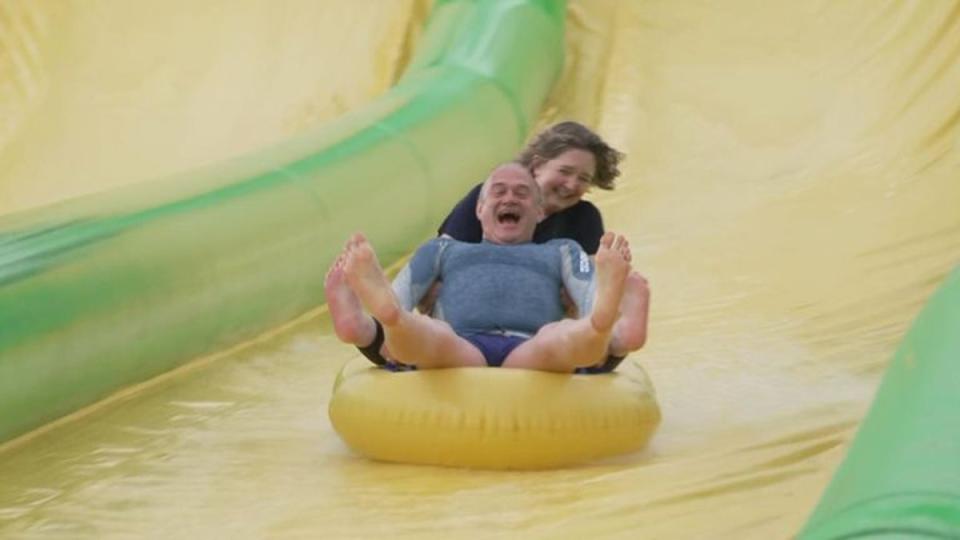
584,263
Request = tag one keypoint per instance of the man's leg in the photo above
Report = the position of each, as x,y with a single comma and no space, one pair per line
565,345
630,331
412,338
350,323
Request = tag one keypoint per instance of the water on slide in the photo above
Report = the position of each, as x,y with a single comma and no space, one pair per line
791,192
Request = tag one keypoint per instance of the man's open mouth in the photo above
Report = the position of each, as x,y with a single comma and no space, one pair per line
508,216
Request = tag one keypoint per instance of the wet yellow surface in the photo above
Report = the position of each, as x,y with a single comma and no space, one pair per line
792,193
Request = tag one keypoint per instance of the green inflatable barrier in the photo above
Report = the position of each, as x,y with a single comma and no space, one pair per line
110,290
901,478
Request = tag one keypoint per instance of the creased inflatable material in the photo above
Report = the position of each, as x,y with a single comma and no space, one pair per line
116,288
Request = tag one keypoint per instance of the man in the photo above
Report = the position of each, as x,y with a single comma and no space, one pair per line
500,303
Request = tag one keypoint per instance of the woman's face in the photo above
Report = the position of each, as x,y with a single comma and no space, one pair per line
565,178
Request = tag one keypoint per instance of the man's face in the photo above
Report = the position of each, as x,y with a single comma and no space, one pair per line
509,207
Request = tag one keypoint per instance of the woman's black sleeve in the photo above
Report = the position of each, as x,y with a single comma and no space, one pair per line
588,228
462,223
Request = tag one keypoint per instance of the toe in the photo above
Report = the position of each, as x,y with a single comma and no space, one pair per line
607,239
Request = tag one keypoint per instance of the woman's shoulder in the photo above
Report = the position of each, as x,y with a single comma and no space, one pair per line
584,210
462,223
469,200
582,222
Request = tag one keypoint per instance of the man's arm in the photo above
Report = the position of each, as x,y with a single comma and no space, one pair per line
577,272
416,277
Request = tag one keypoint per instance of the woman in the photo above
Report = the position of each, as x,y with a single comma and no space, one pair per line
566,160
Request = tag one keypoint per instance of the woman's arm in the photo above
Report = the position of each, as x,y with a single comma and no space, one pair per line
462,223
587,227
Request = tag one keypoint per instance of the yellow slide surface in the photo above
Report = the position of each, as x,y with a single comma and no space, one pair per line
791,192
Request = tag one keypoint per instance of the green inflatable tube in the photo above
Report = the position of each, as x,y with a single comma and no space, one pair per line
111,290
901,478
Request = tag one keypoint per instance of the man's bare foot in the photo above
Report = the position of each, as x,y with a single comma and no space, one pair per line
630,332
613,265
350,323
366,278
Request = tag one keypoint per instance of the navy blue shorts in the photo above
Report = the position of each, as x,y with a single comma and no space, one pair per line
495,347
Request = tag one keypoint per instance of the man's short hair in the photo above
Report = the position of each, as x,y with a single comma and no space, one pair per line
511,165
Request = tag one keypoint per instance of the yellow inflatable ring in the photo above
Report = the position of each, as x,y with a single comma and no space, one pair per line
492,418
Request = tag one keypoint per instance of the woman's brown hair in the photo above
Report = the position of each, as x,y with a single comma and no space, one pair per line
564,136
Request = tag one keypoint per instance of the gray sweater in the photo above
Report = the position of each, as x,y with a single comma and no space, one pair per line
492,288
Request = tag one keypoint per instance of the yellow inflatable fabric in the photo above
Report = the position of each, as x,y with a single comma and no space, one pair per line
492,418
